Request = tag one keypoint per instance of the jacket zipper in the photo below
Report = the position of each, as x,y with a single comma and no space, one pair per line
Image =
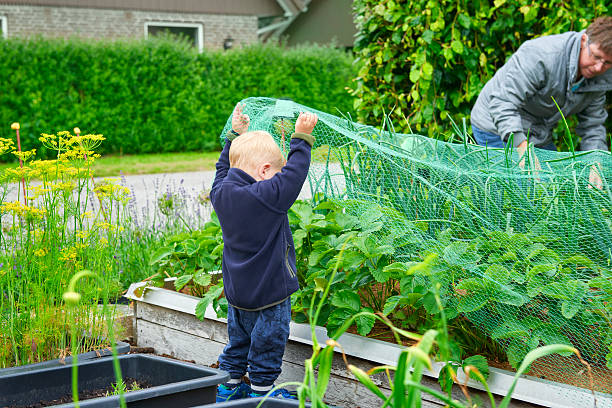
291,272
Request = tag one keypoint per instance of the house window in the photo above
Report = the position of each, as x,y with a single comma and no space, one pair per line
3,33
190,31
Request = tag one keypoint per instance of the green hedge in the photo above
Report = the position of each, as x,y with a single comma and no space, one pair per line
155,95
428,60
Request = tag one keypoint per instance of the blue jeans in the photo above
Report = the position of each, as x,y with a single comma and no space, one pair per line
256,343
485,138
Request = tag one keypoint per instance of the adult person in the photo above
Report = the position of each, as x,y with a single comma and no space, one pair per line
573,68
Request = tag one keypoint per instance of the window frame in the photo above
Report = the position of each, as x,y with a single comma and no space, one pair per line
198,26
3,26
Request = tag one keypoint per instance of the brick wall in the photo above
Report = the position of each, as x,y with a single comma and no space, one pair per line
107,23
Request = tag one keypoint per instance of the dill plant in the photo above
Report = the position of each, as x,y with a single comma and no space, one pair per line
59,228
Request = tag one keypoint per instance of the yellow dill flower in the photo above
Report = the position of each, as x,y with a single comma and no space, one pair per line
40,252
103,241
25,155
25,212
60,142
6,145
82,234
109,190
103,225
67,186
68,254
36,192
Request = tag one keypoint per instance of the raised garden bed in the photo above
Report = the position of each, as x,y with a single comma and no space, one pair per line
122,348
171,383
165,320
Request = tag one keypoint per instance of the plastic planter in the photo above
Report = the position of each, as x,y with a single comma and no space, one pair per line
254,403
174,383
122,348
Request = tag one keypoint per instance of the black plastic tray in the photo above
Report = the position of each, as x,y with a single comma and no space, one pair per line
254,402
176,384
122,348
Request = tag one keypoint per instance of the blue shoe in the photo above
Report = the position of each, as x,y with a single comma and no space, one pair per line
280,393
226,392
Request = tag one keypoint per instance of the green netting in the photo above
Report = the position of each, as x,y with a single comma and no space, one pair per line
523,254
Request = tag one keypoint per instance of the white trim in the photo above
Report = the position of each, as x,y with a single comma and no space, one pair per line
3,25
528,389
198,26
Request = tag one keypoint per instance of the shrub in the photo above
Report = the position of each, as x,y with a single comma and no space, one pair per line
155,95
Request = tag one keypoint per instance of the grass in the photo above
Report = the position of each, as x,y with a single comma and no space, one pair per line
112,165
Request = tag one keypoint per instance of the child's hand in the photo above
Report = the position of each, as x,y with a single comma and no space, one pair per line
306,122
240,121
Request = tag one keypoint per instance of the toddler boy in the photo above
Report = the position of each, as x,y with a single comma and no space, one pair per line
253,190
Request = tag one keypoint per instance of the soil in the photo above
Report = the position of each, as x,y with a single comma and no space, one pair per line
566,370
131,385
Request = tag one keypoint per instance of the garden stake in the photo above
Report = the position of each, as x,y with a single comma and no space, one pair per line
77,131
15,127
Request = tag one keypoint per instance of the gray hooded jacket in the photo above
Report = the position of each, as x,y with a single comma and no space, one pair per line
517,100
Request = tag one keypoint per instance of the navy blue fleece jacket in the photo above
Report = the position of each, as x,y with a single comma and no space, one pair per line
258,252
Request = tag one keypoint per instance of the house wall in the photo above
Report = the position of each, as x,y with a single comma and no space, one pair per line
325,20
51,21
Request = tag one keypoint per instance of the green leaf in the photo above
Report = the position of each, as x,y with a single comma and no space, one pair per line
428,36
471,303
346,299
504,294
464,21
202,278
380,275
457,46
201,307
510,328
480,363
445,378
497,273
391,303
555,290
365,323
415,74
456,254
576,291
181,281
516,351
338,317
320,284
471,285
325,363
427,71
161,254
579,260
396,268
366,381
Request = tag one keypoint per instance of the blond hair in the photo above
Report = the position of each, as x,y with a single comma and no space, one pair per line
254,148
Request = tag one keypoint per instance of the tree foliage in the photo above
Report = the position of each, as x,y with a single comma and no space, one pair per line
426,60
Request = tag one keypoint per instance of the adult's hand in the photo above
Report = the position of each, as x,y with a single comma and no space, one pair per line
533,159
594,177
